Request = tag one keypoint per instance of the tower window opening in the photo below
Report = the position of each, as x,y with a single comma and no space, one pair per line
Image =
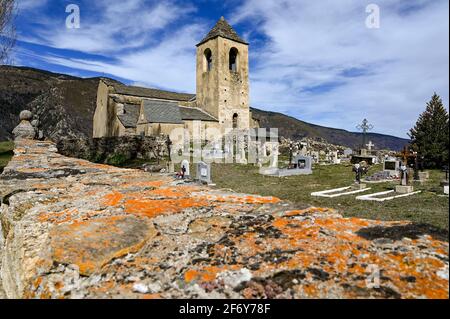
235,120
208,60
233,59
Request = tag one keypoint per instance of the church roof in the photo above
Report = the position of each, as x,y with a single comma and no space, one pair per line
149,93
222,29
190,113
130,115
162,112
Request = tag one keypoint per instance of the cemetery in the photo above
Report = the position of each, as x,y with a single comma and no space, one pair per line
334,186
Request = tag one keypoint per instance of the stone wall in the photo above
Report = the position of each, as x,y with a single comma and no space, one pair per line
111,149
74,229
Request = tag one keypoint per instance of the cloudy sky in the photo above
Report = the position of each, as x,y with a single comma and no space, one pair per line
314,60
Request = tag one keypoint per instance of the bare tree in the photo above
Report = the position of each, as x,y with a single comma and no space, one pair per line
7,29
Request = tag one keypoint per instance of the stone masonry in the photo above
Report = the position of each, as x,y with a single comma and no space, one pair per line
74,229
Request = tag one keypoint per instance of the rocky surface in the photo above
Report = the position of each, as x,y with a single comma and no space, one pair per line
73,229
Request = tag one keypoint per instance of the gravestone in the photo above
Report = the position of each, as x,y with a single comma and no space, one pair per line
301,165
204,172
359,171
334,158
348,152
185,164
315,156
274,156
404,187
391,166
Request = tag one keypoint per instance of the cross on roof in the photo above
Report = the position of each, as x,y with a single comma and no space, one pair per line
370,145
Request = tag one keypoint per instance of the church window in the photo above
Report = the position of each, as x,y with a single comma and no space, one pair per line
235,120
233,59
208,60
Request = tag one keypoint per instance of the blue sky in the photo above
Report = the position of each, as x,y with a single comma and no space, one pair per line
314,60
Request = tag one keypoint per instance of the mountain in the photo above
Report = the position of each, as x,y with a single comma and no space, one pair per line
290,127
65,106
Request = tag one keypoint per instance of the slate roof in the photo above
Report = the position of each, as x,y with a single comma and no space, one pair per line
130,116
162,112
222,29
190,113
149,93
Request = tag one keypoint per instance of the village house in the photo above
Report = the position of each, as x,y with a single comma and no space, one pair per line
221,100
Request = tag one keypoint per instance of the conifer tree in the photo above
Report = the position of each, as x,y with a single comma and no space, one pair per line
430,135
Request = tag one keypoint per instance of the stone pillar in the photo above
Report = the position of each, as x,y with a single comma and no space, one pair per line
24,130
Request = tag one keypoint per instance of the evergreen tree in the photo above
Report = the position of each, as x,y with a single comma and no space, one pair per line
430,135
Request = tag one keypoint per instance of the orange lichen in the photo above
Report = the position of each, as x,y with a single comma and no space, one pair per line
154,207
91,244
206,273
58,217
112,199
244,199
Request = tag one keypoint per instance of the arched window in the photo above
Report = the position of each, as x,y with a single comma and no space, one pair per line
233,59
235,120
208,60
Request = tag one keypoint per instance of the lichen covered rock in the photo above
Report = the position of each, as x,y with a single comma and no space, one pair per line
74,229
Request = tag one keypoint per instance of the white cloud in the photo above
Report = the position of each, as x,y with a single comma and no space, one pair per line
169,65
319,62
108,27
312,42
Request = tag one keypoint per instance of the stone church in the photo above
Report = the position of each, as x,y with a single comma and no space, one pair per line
221,102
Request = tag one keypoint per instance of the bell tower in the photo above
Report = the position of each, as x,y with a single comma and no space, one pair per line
222,76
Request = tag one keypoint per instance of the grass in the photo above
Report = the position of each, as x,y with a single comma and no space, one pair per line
426,207
6,152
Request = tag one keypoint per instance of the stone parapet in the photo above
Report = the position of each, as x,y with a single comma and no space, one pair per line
74,229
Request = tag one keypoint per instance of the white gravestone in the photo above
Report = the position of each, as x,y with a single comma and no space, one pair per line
204,172
185,164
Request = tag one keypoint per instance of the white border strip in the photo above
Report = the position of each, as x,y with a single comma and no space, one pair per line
371,197
327,192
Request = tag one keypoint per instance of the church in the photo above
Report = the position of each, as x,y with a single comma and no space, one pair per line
221,100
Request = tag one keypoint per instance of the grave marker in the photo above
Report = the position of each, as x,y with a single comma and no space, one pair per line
204,172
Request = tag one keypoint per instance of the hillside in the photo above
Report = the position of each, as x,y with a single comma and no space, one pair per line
290,127
65,106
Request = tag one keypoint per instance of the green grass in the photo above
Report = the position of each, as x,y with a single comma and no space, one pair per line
426,207
5,153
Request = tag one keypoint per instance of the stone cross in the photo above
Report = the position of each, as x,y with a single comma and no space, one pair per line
364,127
405,155
370,145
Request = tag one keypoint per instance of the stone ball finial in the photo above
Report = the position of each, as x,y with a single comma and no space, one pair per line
25,129
26,115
